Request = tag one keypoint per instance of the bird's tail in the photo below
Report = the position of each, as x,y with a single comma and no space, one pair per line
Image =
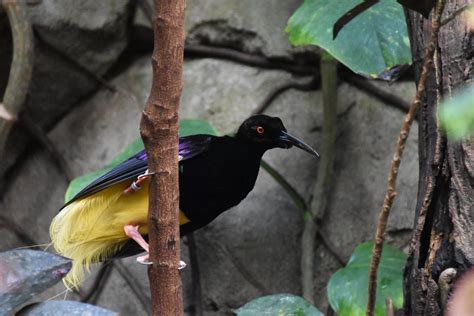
84,232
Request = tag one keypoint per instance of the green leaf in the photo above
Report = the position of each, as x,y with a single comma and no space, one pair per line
193,127
456,114
371,44
278,305
186,128
347,288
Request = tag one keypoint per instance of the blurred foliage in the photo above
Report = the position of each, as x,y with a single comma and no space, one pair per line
348,287
186,128
456,114
25,273
461,302
371,44
278,305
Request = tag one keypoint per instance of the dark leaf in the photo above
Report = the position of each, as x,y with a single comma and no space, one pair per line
63,308
422,6
25,273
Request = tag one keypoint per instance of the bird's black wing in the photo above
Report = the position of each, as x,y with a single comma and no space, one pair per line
189,147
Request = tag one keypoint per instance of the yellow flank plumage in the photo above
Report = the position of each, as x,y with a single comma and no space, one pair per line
91,229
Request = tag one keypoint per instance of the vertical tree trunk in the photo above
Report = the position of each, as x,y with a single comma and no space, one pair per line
159,130
444,226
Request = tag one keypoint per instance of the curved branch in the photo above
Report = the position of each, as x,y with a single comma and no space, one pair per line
399,148
134,285
21,68
309,86
315,214
294,195
246,59
99,283
369,88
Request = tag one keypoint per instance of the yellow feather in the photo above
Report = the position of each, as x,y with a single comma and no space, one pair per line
90,229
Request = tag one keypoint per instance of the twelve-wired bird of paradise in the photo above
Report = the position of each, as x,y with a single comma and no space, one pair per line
108,218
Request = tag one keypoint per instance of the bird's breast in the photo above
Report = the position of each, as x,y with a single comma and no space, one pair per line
209,187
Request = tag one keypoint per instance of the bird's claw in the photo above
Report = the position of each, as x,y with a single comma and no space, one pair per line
144,259
137,185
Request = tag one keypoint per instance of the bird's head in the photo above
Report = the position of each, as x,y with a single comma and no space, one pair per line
269,132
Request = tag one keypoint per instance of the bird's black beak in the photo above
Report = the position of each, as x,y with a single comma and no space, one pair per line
287,139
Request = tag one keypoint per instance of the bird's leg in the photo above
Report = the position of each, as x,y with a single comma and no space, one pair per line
137,184
132,232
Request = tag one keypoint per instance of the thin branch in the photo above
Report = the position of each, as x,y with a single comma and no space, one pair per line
134,285
239,266
400,146
339,116
21,68
275,93
320,196
39,134
330,247
191,51
301,204
195,276
99,283
263,62
146,9
17,230
371,89
75,64
294,195
90,74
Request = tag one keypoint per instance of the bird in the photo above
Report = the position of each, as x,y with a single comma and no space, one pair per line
108,218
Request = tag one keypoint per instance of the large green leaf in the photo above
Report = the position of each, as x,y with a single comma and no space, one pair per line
371,44
347,288
456,114
186,128
279,305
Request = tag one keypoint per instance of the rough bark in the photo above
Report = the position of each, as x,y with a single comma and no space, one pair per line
159,130
444,229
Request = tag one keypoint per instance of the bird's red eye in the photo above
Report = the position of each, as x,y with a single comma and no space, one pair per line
260,130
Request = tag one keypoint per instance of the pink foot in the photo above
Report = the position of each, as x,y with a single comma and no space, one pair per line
132,232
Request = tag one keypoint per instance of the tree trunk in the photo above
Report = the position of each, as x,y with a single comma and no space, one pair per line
444,226
159,130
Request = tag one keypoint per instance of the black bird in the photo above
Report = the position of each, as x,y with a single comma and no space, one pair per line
108,218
